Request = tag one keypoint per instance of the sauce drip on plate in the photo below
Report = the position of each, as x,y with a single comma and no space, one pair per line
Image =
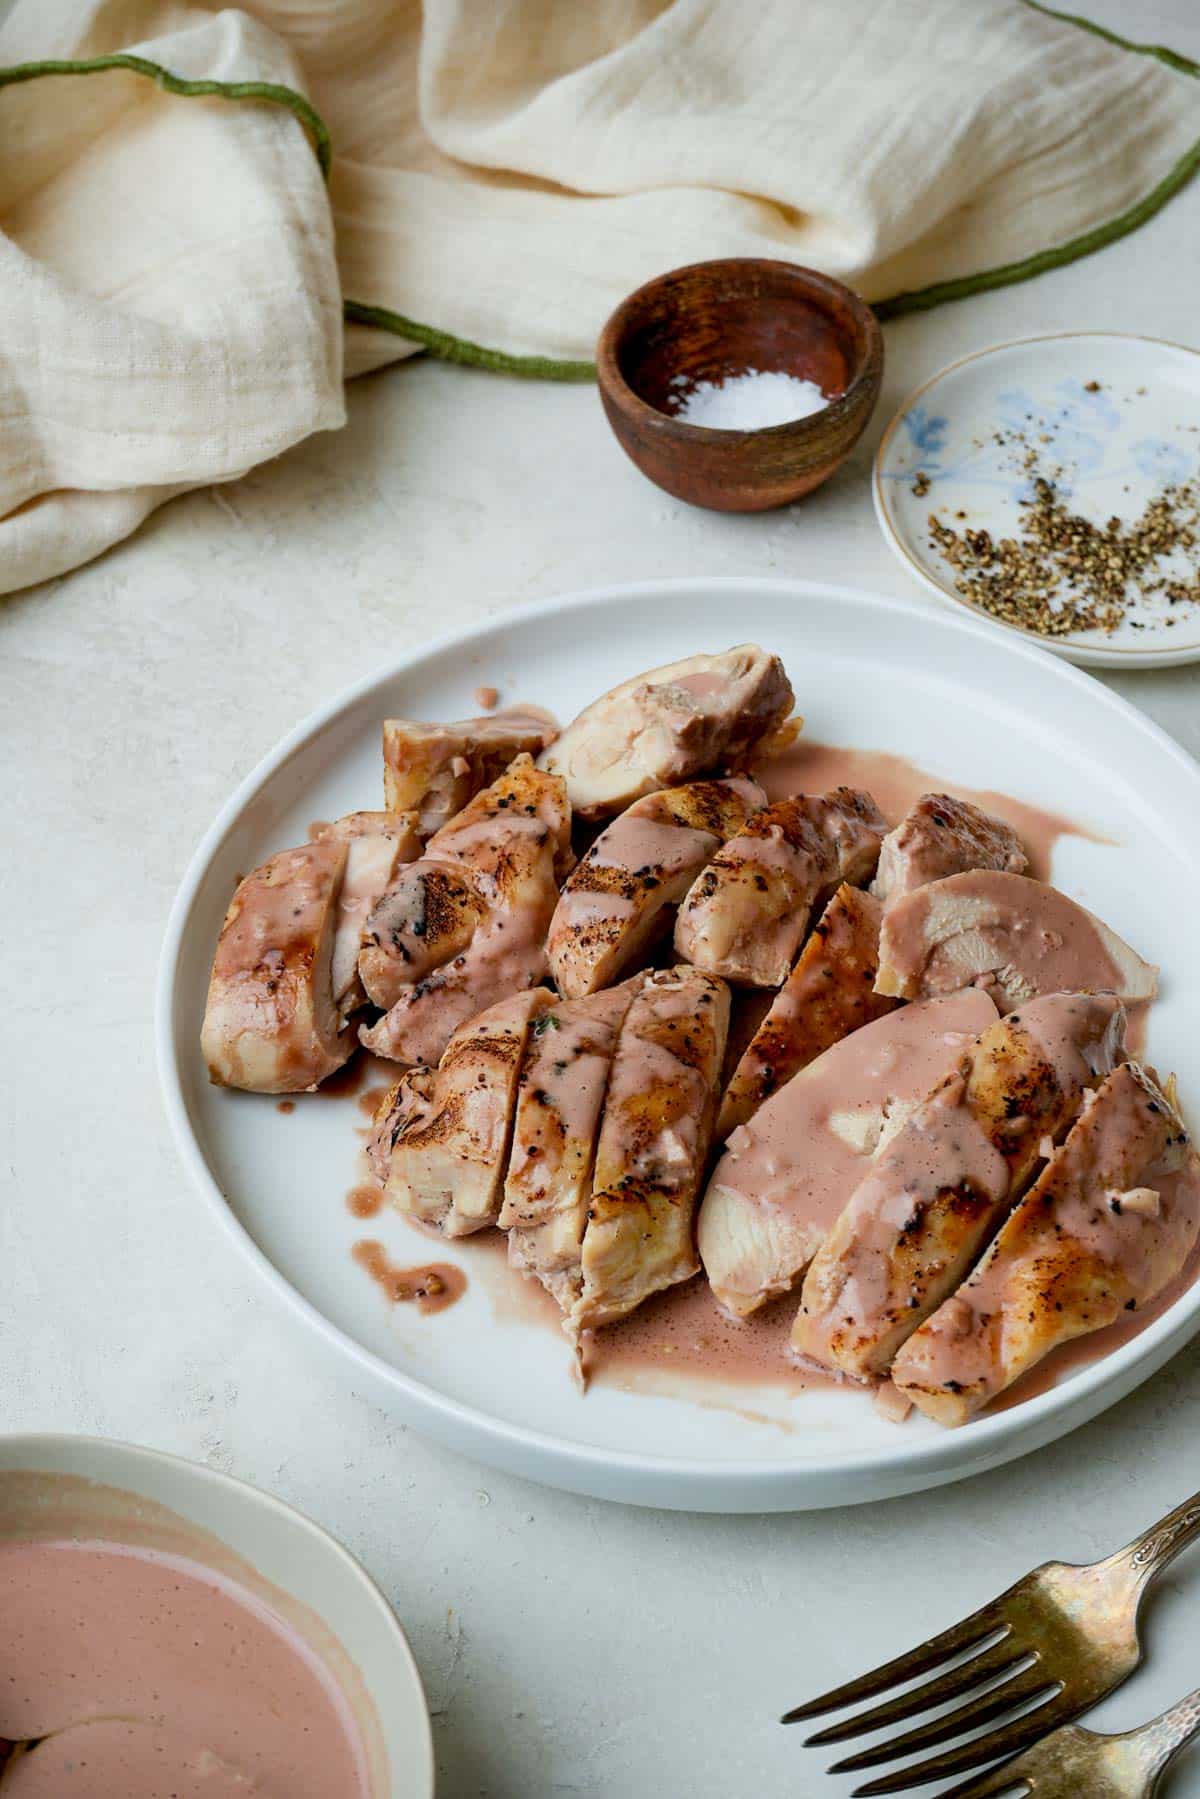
432,1287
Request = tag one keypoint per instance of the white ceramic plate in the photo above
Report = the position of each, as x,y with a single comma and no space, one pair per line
967,705
1117,448
297,1559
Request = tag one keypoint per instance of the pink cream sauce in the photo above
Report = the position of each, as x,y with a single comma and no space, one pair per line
681,1341
896,784
150,1675
944,1149
794,1154
1127,1145
1025,926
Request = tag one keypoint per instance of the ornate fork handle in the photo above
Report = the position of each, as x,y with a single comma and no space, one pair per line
1150,1553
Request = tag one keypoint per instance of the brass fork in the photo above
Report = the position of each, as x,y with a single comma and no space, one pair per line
1072,1761
1049,1648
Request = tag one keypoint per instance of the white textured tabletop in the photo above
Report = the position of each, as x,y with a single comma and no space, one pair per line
567,1646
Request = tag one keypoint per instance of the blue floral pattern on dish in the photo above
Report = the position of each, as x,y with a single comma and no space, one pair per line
1110,421
927,434
1160,461
1075,430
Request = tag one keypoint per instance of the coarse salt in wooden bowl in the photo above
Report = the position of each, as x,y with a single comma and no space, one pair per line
713,321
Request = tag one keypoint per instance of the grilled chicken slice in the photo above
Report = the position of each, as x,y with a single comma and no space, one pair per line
557,1123
942,836
746,914
785,1177
504,850
426,916
1111,1220
434,770
377,843
654,1139
271,1024
451,1131
829,993
943,1185
618,899
662,728
411,1102
1021,936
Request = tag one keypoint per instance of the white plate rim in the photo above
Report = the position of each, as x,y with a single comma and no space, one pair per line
51,1445
1082,655
561,1461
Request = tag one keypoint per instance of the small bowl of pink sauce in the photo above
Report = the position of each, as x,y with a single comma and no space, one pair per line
169,1630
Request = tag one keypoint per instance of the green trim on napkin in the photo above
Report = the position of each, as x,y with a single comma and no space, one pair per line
920,299
449,348
1101,235
461,349
270,91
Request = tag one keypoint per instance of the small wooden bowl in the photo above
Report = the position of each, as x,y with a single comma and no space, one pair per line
715,319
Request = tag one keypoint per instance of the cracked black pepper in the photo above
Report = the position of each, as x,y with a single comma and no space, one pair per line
1063,573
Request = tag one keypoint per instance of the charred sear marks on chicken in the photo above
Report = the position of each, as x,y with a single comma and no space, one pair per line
942,836
920,1218
660,729
619,899
1072,1257
746,915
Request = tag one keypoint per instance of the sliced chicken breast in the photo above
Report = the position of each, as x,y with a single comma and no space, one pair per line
434,770
549,1181
619,898
942,836
746,914
403,1106
941,1188
1110,1222
787,1175
506,849
271,1024
653,1144
426,916
829,993
452,1130
704,714
377,843
1020,936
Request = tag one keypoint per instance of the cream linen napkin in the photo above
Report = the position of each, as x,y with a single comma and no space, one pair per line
503,171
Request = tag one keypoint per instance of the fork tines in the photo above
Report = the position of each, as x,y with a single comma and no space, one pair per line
1000,1675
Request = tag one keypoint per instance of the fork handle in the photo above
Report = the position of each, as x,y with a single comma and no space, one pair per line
1159,1742
1150,1553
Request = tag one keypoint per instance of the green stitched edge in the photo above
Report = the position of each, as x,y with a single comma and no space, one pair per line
921,298
1172,58
461,349
918,299
270,91
449,348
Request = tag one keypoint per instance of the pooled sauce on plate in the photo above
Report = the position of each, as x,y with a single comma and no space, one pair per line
365,1200
684,1332
896,784
432,1287
163,1677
